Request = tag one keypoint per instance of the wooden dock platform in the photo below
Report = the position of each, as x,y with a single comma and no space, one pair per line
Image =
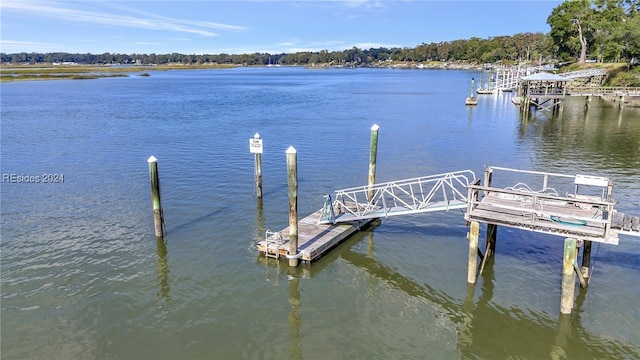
568,217
314,240
579,216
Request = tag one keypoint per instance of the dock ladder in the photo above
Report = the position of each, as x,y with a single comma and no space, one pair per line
273,240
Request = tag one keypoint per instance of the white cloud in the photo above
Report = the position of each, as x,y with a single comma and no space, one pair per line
147,21
9,46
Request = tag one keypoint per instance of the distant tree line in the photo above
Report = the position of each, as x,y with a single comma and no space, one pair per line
600,30
524,46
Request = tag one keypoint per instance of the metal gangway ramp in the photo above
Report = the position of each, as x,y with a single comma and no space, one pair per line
441,192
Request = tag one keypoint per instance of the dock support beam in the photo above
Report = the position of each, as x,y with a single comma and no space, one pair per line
373,155
568,276
472,267
292,181
158,218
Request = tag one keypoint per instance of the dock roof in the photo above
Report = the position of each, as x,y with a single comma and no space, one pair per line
544,76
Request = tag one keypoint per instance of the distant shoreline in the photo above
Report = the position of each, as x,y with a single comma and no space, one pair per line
41,72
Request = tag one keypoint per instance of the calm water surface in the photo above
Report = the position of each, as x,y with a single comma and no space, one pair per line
83,276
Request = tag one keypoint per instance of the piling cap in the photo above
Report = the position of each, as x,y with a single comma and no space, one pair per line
291,150
256,136
375,127
152,159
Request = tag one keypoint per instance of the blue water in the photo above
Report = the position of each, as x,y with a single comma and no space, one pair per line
84,277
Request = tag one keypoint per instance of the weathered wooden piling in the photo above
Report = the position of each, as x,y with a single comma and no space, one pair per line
492,235
373,154
474,230
586,260
492,229
158,218
490,245
292,181
568,276
255,147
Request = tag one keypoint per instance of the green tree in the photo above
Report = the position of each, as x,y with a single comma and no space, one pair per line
571,27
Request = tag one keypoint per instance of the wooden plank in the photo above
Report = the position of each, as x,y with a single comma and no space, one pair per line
314,240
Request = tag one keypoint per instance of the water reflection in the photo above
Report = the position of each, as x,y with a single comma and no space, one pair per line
162,270
488,330
295,338
602,138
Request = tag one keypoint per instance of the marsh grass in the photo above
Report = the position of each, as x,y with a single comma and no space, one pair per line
83,72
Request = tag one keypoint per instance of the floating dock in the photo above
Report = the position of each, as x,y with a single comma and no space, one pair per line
314,239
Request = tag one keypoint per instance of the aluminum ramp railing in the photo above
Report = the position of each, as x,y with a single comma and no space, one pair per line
441,192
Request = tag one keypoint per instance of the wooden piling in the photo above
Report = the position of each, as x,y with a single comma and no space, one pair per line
490,245
488,178
158,218
586,260
472,267
492,235
373,154
471,92
292,180
568,276
471,100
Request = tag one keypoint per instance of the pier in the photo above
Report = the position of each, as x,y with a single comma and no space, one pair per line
577,208
538,88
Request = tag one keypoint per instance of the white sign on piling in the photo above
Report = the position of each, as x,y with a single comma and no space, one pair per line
255,144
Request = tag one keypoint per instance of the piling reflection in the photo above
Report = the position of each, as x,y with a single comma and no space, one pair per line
488,330
295,338
162,269
371,247
485,328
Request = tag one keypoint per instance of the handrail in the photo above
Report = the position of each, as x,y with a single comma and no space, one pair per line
417,195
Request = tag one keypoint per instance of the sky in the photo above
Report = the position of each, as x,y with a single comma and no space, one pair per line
264,26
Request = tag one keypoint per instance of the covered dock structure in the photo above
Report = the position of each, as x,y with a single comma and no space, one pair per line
543,90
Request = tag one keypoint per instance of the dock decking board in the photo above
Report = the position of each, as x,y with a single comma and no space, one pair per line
518,212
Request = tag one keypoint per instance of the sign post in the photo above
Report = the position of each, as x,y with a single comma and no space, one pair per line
255,147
